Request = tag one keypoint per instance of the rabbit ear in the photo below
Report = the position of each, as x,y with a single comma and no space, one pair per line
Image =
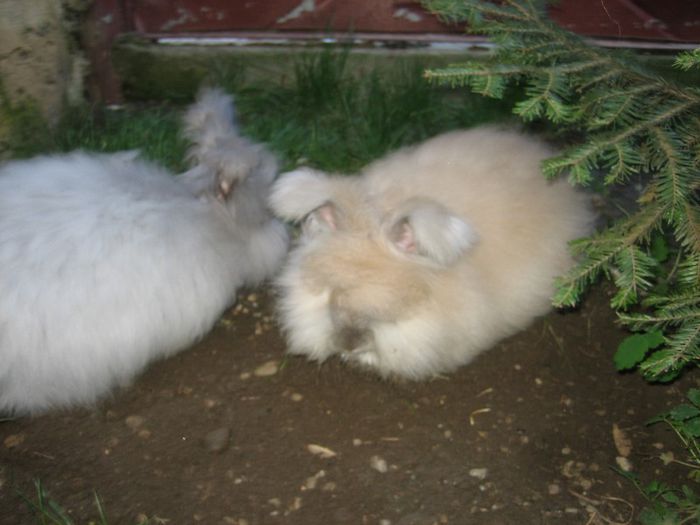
299,192
322,219
427,229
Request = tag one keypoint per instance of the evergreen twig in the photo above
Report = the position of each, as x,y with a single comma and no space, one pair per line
633,122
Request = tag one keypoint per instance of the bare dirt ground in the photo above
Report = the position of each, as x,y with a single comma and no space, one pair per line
232,432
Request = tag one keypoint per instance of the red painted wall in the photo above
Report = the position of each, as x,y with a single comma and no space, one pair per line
668,20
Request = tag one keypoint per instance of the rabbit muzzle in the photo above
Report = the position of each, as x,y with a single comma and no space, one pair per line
352,338
351,330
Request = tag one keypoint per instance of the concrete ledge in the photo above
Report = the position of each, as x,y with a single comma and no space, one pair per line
151,70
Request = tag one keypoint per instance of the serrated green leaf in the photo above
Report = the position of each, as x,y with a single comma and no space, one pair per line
634,348
670,497
693,396
692,427
631,352
654,338
684,411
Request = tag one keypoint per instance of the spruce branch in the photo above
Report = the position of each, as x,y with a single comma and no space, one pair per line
601,254
688,59
636,270
632,122
688,273
682,348
688,228
669,311
674,170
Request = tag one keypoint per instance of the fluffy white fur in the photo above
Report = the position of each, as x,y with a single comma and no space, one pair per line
109,262
430,256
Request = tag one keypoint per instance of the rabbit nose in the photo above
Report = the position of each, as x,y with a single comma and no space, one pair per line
349,338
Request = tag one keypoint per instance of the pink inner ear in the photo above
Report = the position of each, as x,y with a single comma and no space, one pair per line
224,187
406,240
327,215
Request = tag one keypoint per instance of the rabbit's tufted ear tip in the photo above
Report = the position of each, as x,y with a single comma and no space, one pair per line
429,230
322,219
298,192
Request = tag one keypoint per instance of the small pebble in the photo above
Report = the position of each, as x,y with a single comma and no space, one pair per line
321,451
211,403
134,422
267,369
478,473
378,464
217,440
13,440
553,489
624,463
312,481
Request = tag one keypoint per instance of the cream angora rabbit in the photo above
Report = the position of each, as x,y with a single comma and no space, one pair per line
430,256
108,262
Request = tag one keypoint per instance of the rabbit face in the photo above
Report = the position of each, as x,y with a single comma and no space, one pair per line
359,273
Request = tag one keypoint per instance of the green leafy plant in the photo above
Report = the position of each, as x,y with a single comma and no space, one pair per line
629,123
48,512
669,504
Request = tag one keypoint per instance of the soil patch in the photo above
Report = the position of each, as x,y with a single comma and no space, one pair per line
233,432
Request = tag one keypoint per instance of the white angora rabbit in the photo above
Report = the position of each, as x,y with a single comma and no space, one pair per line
108,262
430,256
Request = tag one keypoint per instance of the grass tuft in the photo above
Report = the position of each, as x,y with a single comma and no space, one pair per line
327,116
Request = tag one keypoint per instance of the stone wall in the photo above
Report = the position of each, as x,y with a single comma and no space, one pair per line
39,55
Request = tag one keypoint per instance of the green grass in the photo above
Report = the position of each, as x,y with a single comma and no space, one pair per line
48,512
336,121
153,130
325,117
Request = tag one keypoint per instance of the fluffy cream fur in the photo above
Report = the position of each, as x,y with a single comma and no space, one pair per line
430,256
